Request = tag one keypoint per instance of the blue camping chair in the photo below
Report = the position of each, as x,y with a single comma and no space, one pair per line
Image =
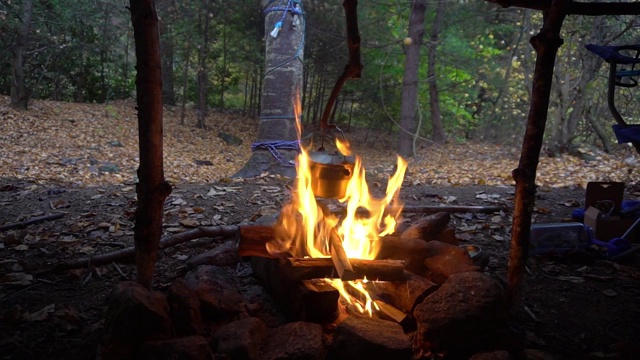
625,133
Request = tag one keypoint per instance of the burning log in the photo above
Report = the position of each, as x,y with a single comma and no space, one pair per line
316,268
413,251
339,258
392,312
319,301
253,239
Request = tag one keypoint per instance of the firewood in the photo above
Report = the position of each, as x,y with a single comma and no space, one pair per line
313,268
319,301
253,239
405,294
427,228
391,312
308,300
451,209
339,258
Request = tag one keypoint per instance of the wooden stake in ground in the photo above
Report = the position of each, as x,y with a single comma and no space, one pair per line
152,188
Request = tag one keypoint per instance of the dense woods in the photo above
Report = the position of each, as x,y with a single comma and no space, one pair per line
473,75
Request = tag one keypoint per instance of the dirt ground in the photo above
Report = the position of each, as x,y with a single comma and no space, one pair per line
574,307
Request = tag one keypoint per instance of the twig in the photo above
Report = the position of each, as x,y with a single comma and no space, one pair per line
119,270
31,221
533,316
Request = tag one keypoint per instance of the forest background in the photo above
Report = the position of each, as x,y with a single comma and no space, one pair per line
474,74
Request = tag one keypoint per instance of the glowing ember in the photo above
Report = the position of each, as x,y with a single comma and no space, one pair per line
304,224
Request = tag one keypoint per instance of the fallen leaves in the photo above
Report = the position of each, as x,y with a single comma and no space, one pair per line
100,147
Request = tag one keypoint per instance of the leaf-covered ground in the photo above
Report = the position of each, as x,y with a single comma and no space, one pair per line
91,144
79,160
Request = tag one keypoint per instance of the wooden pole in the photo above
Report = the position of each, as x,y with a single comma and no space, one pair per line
546,44
152,189
353,69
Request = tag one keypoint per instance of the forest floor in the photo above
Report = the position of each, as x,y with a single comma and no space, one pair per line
80,160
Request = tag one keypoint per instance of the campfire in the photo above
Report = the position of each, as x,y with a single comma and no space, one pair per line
328,239
307,230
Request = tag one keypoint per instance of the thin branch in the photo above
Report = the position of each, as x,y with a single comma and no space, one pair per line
31,221
127,254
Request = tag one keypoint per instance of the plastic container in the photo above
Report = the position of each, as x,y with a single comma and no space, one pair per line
558,238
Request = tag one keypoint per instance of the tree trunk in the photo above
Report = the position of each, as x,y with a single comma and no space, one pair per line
152,189
202,73
493,123
185,82
575,98
125,69
410,80
246,93
281,88
223,72
166,54
546,44
437,135
19,92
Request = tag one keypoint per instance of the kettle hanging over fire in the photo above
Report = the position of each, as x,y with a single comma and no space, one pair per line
331,172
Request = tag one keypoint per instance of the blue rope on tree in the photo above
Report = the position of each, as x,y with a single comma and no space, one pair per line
273,147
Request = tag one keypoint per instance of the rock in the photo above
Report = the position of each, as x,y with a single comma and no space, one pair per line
240,339
185,309
412,251
220,299
465,315
406,294
186,348
295,341
107,167
536,354
225,254
367,338
202,162
428,227
448,235
134,315
491,355
229,139
445,259
115,143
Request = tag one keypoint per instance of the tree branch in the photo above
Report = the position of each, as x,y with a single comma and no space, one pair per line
576,8
127,254
353,70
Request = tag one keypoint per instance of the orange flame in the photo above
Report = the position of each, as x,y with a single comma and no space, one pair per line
304,224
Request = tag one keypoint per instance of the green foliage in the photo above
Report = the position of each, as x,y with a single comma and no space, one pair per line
83,51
